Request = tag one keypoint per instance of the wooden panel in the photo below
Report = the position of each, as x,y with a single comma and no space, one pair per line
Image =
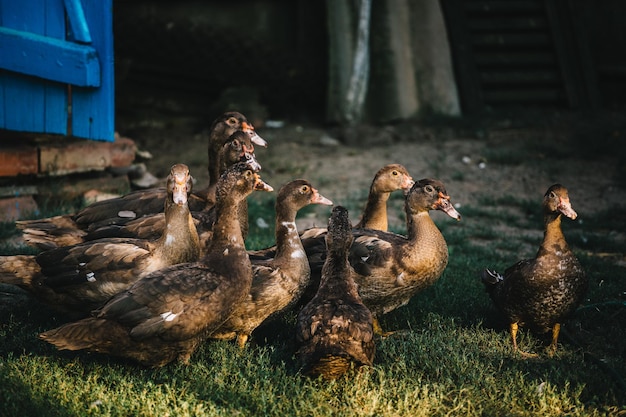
76,18
49,58
55,119
93,110
520,52
33,104
23,97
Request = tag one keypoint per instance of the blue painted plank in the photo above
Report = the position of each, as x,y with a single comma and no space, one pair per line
23,99
49,58
77,21
55,117
93,110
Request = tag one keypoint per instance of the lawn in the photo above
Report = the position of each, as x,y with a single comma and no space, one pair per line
450,354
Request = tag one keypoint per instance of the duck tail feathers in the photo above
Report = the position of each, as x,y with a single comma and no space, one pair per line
490,277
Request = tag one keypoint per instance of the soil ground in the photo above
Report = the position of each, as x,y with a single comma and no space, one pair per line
478,162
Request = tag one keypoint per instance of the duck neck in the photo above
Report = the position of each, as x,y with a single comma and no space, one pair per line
226,229
214,169
287,238
375,212
337,279
553,238
179,241
420,226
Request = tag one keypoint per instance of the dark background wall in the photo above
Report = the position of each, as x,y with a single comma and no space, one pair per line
271,56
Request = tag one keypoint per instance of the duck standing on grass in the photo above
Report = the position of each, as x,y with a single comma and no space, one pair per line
335,329
278,281
390,178
389,268
81,277
165,315
540,293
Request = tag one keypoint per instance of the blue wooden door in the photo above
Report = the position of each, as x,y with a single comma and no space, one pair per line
56,67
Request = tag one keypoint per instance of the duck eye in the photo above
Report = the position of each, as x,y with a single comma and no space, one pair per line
552,195
429,189
304,189
394,173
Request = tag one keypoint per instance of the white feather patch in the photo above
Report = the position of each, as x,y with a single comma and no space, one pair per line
91,277
290,226
169,316
169,239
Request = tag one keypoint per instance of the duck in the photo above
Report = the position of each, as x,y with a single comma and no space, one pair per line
277,281
71,229
391,268
167,314
78,278
542,292
236,149
388,179
334,330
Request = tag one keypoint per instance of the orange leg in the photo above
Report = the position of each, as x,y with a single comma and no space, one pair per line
555,337
378,330
514,328
241,340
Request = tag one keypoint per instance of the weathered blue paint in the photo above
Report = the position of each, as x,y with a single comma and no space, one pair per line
49,58
53,53
93,109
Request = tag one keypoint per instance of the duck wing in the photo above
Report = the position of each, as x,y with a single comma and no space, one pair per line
101,263
174,303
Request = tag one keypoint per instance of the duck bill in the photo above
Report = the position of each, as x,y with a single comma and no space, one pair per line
260,185
320,199
407,184
249,158
566,208
446,206
179,194
254,137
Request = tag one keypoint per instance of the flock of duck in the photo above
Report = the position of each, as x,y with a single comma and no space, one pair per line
153,274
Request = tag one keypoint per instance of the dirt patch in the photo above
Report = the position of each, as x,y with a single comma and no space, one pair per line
477,167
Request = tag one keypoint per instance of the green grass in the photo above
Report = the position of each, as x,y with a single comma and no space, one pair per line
450,354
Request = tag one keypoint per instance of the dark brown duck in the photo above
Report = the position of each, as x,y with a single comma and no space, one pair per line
540,293
335,329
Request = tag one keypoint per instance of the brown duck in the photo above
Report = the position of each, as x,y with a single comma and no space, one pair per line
335,329
165,315
81,277
387,180
71,229
540,293
389,268
277,281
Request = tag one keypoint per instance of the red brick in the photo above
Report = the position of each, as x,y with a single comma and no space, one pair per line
87,155
18,160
